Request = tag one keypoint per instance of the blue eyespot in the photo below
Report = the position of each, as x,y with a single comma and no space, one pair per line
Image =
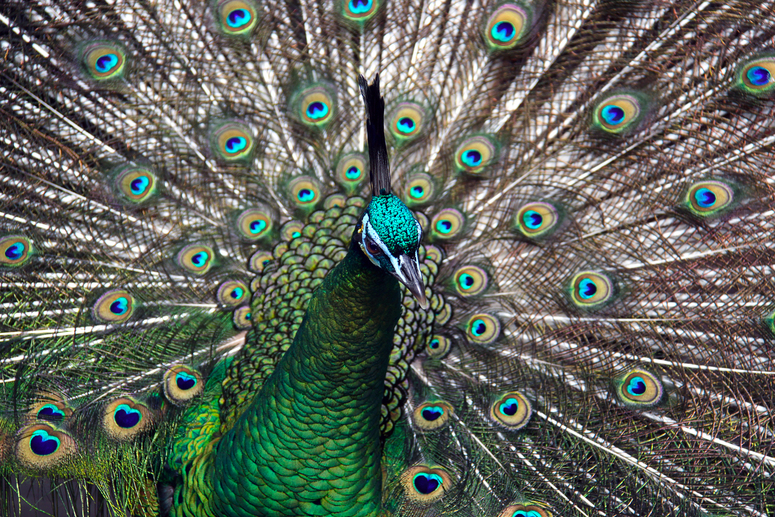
417,191
317,110
185,381
306,195
432,413
587,288
139,185
237,293
406,125
50,412
126,417
236,144
15,251
612,115
532,219
43,443
434,344
466,281
444,226
526,513
257,226
705,197
478,327
758,75
238,18
353,173
636,386
119,306
106,63
427,483
509,407
472,158
502,31
200,259
360,6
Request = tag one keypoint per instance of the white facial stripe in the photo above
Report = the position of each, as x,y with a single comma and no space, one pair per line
371,233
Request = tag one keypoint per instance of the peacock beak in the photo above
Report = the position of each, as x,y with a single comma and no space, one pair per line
408,273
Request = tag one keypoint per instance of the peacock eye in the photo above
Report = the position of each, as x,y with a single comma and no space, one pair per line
372,247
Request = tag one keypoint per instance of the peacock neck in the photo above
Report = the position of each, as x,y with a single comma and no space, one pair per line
309,444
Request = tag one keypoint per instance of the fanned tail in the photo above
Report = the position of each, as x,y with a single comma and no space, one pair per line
594,183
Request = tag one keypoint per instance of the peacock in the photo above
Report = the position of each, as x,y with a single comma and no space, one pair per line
388,258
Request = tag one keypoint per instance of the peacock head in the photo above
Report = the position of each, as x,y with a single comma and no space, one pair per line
389,236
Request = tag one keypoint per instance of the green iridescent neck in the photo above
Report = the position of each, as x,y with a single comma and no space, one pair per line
309,444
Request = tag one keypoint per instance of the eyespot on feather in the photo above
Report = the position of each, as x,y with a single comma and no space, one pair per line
236,18
126,418
182,384
42,446
291,230
438,346
351,172
507,27
135,185
114,306
432,415
756,76
591,290
447,224
242,318
512,410
232,293
305,192
314,106
425,484
232,142
359,11
255,224
537,221
196,259
621,113
406,121
470,281
104,61
639,388
475,154
709,198
419,190
483,328
15,251
529,509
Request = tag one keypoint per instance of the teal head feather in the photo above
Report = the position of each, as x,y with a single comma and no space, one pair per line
389,236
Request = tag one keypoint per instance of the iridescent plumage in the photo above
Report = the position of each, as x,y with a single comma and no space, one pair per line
593,183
